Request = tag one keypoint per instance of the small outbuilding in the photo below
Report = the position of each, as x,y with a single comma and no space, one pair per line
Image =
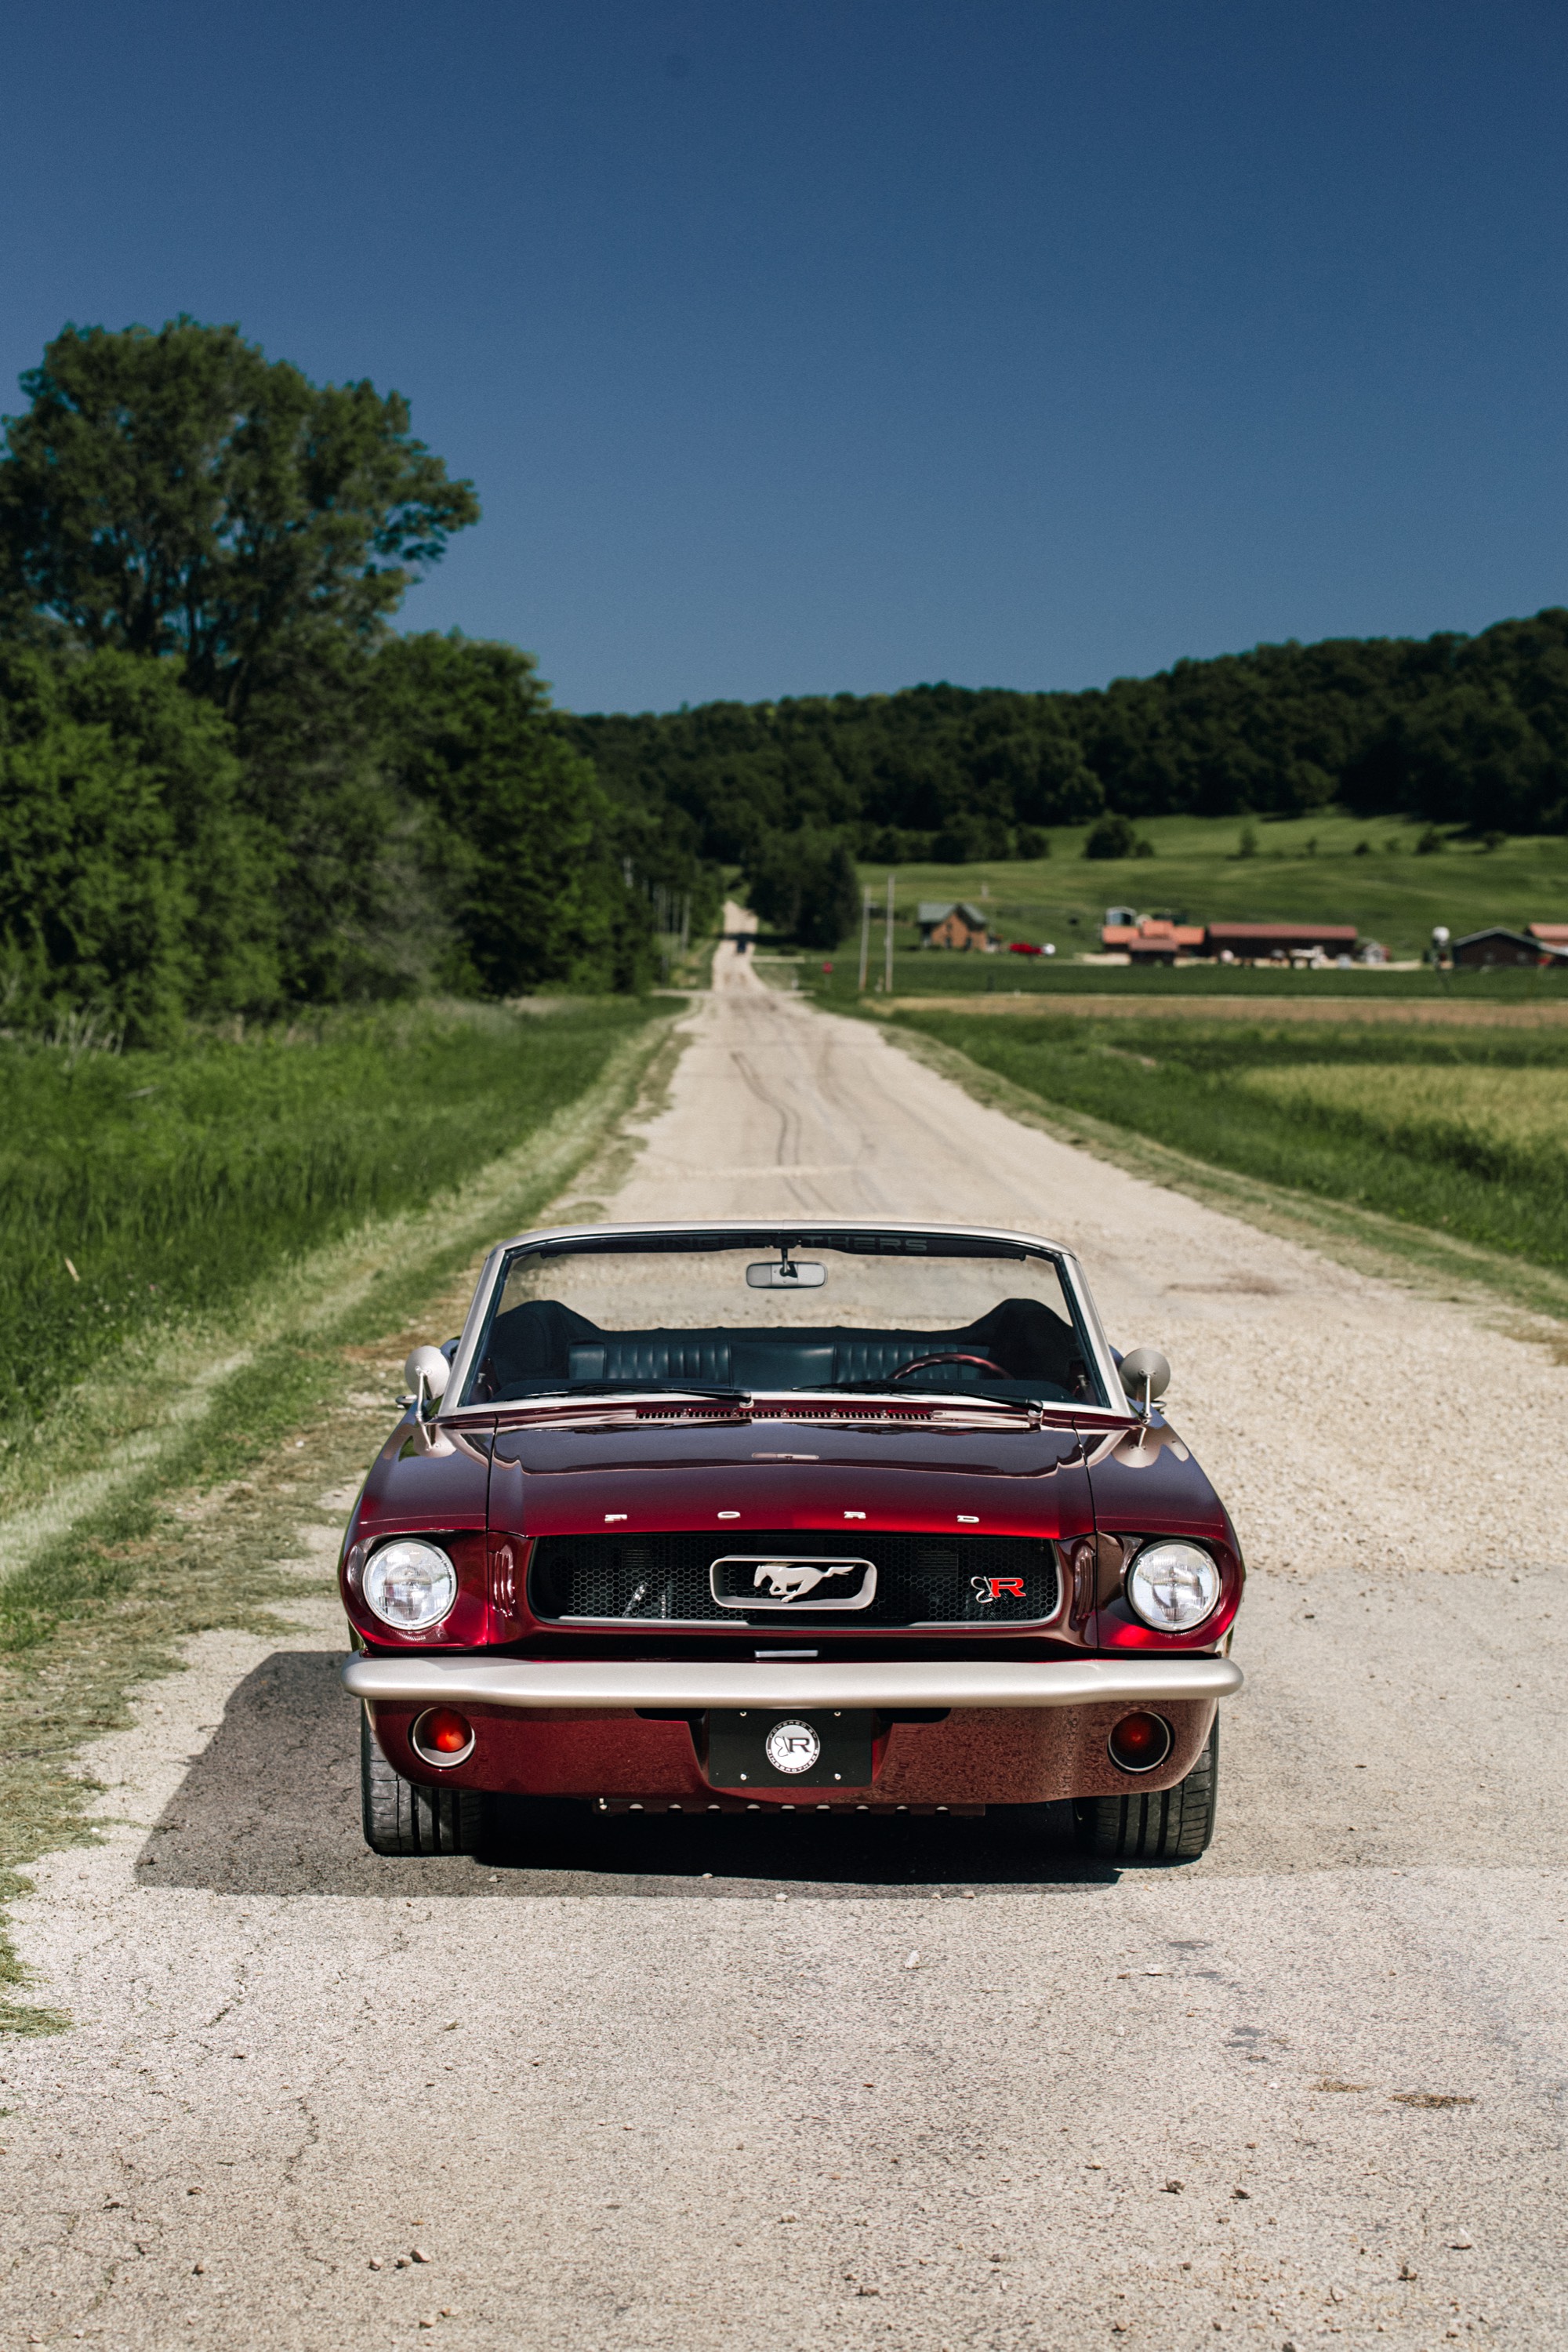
950,923
1498,948
1151,939
1277,942
1551,935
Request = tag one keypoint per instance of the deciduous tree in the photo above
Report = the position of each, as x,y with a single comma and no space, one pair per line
177,493
515,828
133,883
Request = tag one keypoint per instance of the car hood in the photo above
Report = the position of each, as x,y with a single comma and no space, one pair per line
584,1479
1148,1480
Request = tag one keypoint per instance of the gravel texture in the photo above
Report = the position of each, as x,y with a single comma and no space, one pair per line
826,2084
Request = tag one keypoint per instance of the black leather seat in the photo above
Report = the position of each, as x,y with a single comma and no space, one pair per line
703,1356
543,1340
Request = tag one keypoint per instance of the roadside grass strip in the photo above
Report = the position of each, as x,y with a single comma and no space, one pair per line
212,1441
1466,1214
1253,1100
140,1188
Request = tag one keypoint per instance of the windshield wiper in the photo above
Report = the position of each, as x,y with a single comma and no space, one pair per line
930,1396
633,1388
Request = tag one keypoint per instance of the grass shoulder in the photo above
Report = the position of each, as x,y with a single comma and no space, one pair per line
1378,1179
141,1190
212,1441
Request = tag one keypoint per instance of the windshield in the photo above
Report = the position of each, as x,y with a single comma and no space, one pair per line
783,1309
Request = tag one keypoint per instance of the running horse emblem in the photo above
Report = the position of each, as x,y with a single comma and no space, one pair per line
792,1580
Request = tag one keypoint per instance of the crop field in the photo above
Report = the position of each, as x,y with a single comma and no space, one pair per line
1540,1010
135,1187
1524,1106
1302,869
1463,1131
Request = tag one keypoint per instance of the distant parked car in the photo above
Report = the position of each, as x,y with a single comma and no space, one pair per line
718,1518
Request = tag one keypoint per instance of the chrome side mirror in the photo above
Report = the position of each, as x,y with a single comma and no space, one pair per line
425,1372
1145,1376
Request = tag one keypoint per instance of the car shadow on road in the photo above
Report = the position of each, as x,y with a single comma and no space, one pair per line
271,1806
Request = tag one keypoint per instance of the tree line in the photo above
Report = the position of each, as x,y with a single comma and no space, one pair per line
227,785
1470,732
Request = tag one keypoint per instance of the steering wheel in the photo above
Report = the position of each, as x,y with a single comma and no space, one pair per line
952,1356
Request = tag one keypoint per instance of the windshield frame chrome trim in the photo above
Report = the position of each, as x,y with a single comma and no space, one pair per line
1066,1261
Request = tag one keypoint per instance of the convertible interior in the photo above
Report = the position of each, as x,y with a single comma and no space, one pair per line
1020,1347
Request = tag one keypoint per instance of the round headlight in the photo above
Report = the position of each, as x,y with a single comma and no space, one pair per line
410,1584
1172,1586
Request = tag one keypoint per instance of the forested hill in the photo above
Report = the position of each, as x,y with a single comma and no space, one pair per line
1466,731
230,787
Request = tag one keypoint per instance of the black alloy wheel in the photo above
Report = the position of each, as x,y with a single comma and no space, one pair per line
402,1817
1163,1825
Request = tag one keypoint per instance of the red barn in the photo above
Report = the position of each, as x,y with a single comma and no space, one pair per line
1151,939
1263,942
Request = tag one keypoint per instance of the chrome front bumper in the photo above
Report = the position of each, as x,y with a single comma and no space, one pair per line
584,1687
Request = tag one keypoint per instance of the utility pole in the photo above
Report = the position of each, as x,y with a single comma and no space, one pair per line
864,933
887,944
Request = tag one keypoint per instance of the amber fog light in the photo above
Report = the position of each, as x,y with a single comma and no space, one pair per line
1140,1742
442,1736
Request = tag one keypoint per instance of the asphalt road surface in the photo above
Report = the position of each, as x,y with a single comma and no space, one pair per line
823,2084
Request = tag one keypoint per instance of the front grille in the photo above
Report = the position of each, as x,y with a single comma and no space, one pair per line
922,1580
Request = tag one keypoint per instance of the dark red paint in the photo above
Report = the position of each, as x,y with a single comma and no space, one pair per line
486,1492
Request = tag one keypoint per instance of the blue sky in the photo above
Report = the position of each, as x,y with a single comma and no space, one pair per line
808,345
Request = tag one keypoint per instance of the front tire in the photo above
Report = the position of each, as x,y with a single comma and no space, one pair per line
403,1818
1165,1825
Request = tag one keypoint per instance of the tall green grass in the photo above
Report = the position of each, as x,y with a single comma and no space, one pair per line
1512,1106
1223,1093
135,1188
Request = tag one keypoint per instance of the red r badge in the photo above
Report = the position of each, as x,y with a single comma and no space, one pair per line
988,1588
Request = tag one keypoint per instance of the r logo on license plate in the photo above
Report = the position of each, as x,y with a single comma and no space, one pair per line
763,1747
791,1747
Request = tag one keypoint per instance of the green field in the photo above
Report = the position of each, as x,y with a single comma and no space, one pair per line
932,974
1460,1130
138,1187
1522,1107
1391,893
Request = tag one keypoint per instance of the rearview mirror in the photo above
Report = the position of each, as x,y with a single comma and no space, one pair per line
1145,1376
787,1273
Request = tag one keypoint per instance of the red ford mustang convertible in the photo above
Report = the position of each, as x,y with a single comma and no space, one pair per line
848,1517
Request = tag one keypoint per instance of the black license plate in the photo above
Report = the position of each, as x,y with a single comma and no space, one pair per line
774,1747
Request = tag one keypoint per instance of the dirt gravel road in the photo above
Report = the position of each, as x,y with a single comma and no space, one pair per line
821,2085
